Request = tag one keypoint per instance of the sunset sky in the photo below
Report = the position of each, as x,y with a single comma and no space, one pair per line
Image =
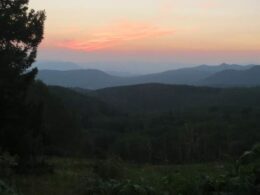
163,33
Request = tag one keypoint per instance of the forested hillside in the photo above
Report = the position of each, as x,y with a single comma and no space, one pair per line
148,123
160,97
153,123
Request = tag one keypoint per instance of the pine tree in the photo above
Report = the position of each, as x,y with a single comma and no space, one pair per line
21,31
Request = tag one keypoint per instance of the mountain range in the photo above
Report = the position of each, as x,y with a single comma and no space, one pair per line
223,75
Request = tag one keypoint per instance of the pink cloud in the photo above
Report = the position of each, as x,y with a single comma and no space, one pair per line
114,35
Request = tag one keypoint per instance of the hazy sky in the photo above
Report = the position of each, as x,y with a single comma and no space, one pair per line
160,32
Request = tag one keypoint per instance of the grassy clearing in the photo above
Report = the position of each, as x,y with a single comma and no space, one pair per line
64,180
69,175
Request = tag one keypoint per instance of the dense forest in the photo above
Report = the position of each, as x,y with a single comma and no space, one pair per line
140,139
185,124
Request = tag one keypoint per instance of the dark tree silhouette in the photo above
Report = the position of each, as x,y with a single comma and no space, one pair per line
21,31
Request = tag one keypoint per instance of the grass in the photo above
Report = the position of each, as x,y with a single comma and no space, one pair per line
69,173
66,176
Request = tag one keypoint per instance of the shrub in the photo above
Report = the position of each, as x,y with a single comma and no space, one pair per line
97,186
6,190
111,168
245,180
7,163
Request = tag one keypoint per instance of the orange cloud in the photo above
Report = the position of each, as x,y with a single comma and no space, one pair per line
114,35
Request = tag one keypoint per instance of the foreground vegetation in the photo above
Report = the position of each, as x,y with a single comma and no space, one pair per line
112,176
73,176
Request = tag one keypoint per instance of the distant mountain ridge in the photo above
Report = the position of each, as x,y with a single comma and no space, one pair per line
95,79
234,78
88,79
224,66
